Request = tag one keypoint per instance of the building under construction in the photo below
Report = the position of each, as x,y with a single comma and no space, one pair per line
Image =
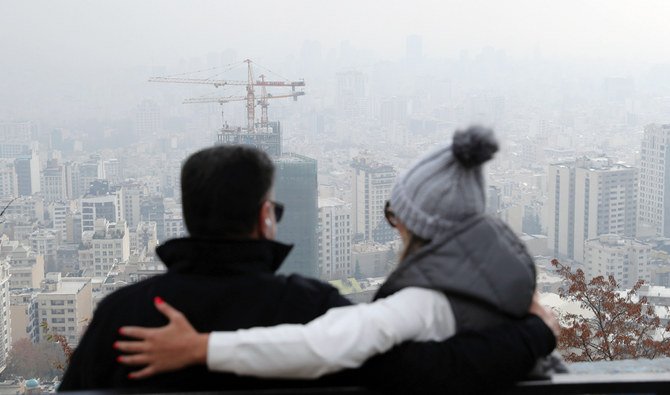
260,133
296,175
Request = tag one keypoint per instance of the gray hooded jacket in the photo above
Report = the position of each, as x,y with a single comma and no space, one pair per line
480,265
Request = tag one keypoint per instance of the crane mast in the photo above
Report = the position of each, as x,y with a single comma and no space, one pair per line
251,97
264,103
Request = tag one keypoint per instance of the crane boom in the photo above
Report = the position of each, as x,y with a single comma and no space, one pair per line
220,99
218,83
204,81
250,96
227,99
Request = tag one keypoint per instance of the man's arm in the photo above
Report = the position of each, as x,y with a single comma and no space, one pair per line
344,337
470,362
172,347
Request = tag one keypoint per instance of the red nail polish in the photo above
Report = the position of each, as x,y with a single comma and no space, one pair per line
118,359
115,346
120,331
130,375
158,300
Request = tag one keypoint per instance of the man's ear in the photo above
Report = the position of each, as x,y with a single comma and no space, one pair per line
264,225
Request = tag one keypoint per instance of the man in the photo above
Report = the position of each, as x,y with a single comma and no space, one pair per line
222,278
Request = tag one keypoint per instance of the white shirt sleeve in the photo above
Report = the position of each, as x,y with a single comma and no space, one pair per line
342,338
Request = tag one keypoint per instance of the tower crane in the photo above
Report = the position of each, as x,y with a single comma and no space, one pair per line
263,102
250,96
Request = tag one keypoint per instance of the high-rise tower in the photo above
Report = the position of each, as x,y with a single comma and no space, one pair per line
589,198
371,188
654,191
296,187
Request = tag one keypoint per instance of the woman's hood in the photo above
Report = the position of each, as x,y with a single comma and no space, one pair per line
480,259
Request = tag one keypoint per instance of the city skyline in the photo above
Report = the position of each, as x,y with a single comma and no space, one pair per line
91,151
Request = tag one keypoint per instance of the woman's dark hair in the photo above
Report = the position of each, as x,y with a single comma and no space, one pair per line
414,244
223,188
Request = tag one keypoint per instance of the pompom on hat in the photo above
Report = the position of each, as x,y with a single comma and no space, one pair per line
446,186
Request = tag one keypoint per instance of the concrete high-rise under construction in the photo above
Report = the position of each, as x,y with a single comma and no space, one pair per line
296,187
295,179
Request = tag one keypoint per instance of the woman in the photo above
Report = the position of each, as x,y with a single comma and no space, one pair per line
460,269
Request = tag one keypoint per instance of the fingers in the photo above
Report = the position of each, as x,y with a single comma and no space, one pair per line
143,373
131,347
137,359
143,333
170,312
137,332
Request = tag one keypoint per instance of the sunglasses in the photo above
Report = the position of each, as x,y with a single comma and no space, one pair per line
279,210
390,215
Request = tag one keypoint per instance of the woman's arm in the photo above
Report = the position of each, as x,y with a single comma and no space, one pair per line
342,338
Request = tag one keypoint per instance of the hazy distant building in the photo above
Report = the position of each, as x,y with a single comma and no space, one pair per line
23,313
27,169
45,242
654,194
110,245
15,139
29,208
112,171
144,239
25,267
65,304
54,184
16,132
148,120
371,259
371,188
626,259
334,239
352,95
392,111
296,187
58,212
67,259
86,174
588,198
109,207
152,209
9,187
73,228
174,226
86,259
133,193
5,320
493,200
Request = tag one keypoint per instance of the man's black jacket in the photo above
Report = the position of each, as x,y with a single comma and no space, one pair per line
228,285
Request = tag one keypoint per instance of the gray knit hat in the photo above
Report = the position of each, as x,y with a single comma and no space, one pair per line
446,186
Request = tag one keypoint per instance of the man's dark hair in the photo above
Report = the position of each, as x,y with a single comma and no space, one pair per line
223,188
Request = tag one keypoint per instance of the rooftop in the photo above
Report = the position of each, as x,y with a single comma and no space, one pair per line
331,202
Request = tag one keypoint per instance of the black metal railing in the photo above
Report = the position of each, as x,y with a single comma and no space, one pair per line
628,383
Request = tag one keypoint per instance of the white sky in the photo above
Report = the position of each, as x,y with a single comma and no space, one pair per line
134,32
